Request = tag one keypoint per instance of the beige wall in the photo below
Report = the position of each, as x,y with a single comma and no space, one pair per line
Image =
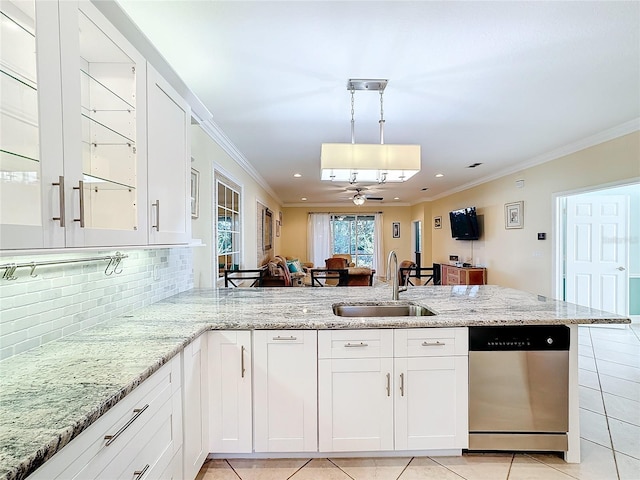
208,156
515,258
294,230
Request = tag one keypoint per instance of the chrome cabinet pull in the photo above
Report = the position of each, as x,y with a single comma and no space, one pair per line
388,384
242,370
361,344
157,205
402,384
285,338
437,343
80,189
111,438
139,473
60,183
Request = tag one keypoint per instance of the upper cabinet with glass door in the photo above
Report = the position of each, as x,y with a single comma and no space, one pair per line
104,107
20,159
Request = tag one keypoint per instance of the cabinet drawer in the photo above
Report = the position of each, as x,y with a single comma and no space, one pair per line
88,455
431,342
355,343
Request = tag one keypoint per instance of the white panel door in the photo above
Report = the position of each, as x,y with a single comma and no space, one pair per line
169,170
431,402
355,404
285,390
196,408
230,391
597,254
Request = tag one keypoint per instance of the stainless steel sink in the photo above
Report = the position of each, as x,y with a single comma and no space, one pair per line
381,310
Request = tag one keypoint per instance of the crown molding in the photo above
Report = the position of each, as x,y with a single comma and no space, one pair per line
601,137
218,136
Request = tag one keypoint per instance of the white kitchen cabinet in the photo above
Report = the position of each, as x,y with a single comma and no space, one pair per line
230,391
142,432
87,184
30,125
431,373
285,391
355,390
195,397
400,389
169,173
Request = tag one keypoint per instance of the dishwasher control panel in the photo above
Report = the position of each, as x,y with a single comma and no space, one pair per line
525,337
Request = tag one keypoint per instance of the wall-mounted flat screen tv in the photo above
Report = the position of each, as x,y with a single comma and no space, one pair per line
464,224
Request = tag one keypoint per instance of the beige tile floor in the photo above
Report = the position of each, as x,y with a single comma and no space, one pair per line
609,361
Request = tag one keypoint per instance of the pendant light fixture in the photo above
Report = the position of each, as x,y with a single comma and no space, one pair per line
368,162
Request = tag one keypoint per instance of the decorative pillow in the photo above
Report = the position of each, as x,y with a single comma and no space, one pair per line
294,267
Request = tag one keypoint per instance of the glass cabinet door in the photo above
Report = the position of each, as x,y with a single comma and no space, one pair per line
104,111
108,115
20,174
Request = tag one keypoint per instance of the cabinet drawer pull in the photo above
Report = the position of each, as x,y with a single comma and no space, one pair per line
111,438
139,473
242,361
361,344
402,384
285,338
80,189
388,384
60,183
437,343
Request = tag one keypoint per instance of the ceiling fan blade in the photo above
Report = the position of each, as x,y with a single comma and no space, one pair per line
373,198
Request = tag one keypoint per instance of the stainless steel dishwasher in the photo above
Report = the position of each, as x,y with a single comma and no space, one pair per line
519,388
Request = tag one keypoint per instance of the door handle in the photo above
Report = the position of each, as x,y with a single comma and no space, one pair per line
80,189
402,384
242,369
622,269
60,183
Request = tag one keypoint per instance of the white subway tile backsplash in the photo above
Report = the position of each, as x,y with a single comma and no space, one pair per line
64,299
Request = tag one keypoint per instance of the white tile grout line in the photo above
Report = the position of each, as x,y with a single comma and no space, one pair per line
604,406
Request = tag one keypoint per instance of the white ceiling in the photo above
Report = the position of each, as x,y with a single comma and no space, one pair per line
505,84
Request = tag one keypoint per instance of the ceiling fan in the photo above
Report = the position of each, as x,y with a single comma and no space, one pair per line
359,198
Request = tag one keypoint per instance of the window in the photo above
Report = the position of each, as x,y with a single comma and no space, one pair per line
227,225
354,234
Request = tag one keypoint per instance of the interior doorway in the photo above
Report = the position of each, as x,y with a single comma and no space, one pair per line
416,241
597,250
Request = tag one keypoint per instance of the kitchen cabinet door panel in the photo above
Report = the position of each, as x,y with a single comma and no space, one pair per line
169,169
230,400
431,403
355,404
196,408
285,394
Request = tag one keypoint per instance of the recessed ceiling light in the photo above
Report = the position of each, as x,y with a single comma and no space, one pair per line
304,199
439,175
396,198
297,175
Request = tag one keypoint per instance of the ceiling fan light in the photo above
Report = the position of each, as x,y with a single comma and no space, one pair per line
358,199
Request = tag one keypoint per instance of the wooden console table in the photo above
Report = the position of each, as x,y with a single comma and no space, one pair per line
451,275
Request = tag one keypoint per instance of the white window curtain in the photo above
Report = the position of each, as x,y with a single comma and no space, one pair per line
319,238
378,245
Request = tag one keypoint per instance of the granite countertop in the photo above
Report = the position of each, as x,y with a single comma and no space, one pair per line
50,394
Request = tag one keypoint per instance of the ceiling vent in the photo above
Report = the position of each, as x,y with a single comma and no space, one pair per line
474,165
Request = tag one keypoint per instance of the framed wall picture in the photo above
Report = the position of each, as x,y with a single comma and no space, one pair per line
195,186
396,229
278,228
437,222
267,229
514,215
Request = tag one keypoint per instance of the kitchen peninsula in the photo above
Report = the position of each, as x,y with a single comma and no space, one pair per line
52,394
